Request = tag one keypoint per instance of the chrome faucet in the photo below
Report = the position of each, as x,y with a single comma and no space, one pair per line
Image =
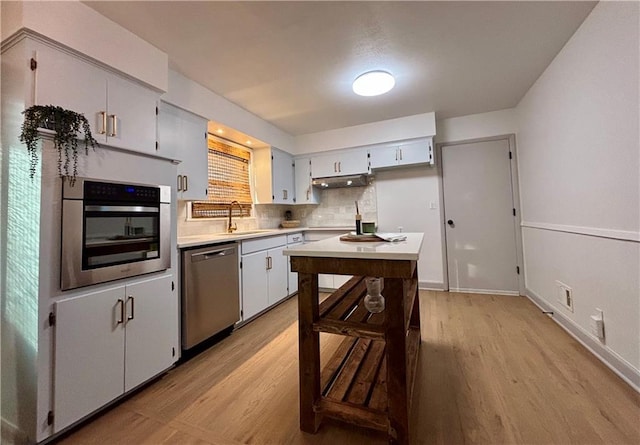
232,228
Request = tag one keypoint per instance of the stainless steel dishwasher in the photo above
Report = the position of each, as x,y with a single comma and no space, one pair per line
210,292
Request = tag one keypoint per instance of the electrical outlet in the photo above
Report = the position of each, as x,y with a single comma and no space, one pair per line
565,295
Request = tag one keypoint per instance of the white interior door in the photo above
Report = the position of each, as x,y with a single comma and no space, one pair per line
479,218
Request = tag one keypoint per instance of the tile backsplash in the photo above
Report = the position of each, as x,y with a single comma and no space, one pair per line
336,209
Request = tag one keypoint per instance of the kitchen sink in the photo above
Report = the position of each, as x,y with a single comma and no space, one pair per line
245,232
249,232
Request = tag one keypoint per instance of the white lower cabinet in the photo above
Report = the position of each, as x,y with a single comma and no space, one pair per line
332,281
294,239
327,281
151,330
277,275
110,341
264,274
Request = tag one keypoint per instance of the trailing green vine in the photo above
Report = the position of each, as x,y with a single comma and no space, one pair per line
66,124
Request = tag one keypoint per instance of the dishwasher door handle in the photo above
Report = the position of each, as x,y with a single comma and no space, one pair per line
211,254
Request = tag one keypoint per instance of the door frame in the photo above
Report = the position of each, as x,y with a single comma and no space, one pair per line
515,194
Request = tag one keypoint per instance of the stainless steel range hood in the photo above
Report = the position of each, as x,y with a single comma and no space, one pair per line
340,181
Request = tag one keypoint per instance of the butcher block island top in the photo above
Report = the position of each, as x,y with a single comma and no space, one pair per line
369,380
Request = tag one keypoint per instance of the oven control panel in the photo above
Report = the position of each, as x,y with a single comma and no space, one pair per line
108,191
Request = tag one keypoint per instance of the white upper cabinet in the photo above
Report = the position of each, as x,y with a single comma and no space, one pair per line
305,193
340,163
402,154
183,136
131,115
282,174
121,113
273,176
66,81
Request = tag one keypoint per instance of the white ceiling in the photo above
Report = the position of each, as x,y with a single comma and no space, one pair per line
292,63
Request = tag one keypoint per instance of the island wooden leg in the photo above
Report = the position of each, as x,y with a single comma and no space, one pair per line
308,351
414,321
396,361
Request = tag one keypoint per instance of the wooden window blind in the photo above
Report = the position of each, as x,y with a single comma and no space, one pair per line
228,181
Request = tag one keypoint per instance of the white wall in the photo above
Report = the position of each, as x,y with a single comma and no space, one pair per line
578,147
475,126
193,97
81,28
409,127
404,200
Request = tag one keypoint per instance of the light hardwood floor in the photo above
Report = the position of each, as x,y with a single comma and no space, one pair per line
492,369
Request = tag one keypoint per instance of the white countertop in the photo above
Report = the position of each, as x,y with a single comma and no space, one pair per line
214,238
382,250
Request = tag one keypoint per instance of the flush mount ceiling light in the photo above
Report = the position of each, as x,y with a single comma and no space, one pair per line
373,83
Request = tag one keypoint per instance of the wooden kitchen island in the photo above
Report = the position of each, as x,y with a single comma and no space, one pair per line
369,380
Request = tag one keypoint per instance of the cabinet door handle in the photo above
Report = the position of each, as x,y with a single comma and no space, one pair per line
284,194
335,167
267,266
114,125
121,304
397,149
179,183
308,193
186,183
339,167
133,314
103,130
401,154
270,263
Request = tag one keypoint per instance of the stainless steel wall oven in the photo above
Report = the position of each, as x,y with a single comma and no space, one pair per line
113,230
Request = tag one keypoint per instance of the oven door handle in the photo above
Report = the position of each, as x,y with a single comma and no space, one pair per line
136,209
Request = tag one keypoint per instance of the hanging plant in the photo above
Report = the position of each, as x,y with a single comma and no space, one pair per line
66,124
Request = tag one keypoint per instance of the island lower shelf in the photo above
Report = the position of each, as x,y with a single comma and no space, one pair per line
354,381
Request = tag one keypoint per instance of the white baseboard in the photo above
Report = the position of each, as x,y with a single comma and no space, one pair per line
430,285
11,434
618,365
514,293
